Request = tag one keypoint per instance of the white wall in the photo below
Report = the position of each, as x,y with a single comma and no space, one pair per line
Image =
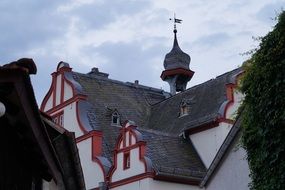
232,110
58,89
70,119
67,91
92,171
208,142
150,184
233,173
136,166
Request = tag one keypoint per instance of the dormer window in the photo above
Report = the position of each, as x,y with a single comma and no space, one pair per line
115,119
184,107
184,110
127,160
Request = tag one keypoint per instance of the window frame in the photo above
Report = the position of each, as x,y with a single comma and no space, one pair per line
58,118
115,115
127,160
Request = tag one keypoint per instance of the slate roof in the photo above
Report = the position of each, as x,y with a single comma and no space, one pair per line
130,101
205,101
157,117
172,155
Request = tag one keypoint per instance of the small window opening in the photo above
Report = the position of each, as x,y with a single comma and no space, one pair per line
127,161
115,119
184,110
58,119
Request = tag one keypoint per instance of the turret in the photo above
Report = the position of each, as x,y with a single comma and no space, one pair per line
176,65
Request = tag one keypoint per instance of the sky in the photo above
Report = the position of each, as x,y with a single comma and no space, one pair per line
129,38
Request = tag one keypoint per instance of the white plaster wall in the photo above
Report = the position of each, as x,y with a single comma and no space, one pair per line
232,110
163,185
70,119
150,184
137,185
208,142
49,105
233,173
67,91
136,166
92,171
58,89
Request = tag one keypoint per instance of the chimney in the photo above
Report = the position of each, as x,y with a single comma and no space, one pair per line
136,83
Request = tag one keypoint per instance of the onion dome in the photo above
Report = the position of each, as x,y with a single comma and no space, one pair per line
176,58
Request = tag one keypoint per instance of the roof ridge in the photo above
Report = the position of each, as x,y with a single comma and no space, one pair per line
130,84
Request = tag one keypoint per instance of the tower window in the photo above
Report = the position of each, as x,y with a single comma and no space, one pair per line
115,119
127,160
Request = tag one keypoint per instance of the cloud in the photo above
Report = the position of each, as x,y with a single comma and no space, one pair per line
129,39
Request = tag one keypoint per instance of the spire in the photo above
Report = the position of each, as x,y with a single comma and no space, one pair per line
176,58
176,65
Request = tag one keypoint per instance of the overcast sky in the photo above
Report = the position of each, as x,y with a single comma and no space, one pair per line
129,38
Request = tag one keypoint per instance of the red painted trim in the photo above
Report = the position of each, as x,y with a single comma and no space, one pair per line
230,93
138,144
130,139
64,69
54,91
178,71
124,137
128,148
48,95
88,135
131,179
204,127
96,146
67,102
224,120
62,89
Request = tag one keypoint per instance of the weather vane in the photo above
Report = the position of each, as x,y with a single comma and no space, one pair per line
175,20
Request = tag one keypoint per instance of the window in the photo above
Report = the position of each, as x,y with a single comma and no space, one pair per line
115,119
127,161
58,119
184,107
184,110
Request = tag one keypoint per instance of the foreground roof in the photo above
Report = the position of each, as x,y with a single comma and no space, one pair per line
36,147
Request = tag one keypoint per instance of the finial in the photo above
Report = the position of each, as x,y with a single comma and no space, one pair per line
175,20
